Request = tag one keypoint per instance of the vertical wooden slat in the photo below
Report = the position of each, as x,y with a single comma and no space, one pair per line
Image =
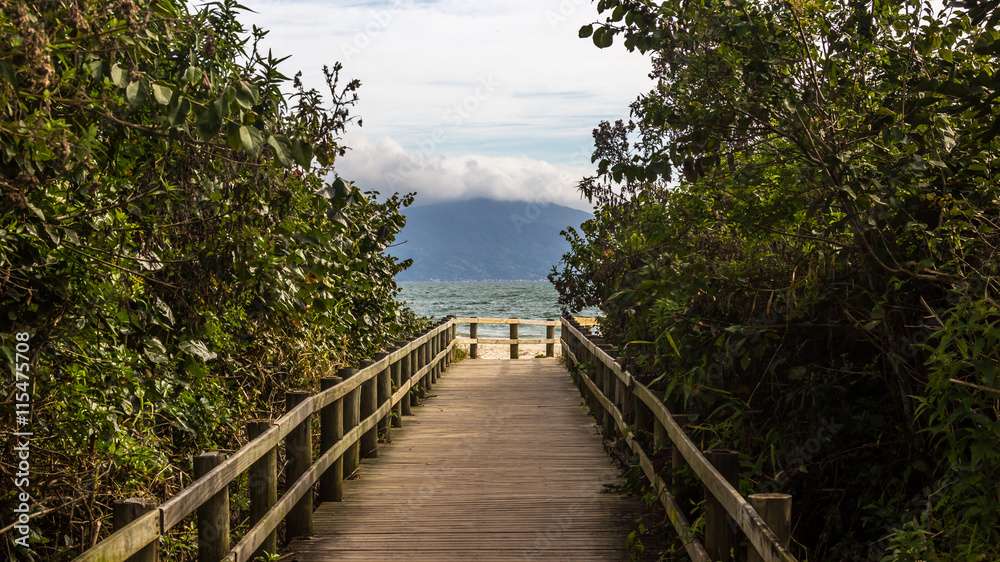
397,383
383,391
298,453
213,515
425,360
513,336
432,351
473,333
776,511
352,417
411,367
720,536
129,510
369,398
331,423
550,334
262,484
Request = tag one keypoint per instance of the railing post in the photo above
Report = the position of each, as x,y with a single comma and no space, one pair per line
432,350
473,333
513,336
404,377
213,515
262,485
331,430
443,345
369,403
127,511
550,334
776,511
298,452
414,367
425,361
449,337
720,536
352,417
397,383
383,395
607,387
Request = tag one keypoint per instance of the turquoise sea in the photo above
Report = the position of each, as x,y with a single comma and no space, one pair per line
487,299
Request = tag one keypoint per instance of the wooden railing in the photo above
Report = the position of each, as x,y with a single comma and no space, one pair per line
353,409
610,390
474,340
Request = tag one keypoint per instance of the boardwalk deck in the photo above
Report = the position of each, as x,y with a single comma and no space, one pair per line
501,463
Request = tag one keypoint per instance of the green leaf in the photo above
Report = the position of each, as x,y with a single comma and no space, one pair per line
162,94
193,75
119,76
155,351
211,119
603,38
198,349
7,72
245,95
282,149
233,136
178,111
252,141
341,189
302,153
135,93
586,31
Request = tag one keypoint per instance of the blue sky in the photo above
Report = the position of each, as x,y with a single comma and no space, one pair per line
462,98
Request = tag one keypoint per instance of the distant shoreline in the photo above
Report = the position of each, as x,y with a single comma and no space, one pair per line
475,281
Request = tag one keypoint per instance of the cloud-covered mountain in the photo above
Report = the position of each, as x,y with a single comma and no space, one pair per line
482,239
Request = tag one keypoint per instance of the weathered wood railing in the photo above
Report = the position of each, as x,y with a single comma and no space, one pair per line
610,390
353,409
550,334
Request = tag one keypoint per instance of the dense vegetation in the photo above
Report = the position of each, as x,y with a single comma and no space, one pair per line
796,238
172,247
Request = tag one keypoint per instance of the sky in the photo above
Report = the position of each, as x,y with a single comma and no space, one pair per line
461,98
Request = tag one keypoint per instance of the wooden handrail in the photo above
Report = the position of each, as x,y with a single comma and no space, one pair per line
147,528
749,521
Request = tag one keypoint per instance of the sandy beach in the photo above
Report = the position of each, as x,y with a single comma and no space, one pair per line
502,351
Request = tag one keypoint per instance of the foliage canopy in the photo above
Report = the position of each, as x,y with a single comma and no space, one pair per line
799,224
171,243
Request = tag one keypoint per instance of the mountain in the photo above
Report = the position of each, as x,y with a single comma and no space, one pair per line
484,240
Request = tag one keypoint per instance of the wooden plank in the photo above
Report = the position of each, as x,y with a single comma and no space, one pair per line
761,537
504,341
125,541
471,477
505,321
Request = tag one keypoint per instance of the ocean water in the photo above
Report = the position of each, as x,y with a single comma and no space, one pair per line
488,299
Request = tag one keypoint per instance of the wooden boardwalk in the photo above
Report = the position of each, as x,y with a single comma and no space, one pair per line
501,462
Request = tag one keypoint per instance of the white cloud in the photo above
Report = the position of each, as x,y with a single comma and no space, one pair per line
418,60
387,167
